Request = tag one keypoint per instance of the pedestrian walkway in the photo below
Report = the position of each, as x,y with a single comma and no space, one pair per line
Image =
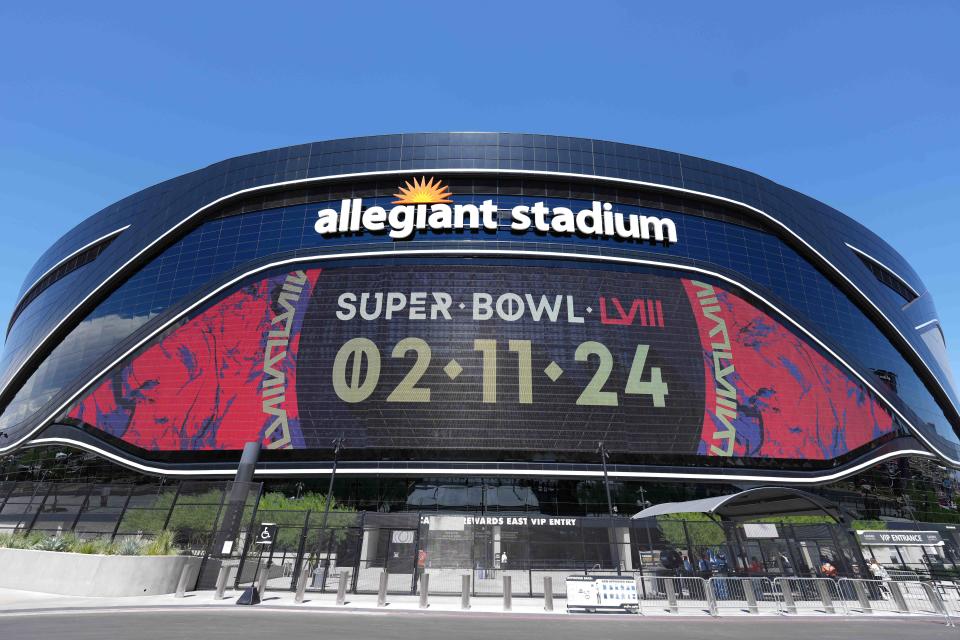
15,601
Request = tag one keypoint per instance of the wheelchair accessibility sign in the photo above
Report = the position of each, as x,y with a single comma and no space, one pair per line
266,534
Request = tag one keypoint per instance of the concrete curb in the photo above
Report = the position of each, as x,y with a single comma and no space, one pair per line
229,604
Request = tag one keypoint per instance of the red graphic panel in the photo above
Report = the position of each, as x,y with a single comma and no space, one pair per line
769,394
221,379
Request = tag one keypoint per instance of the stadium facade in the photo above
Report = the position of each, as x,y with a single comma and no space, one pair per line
479,305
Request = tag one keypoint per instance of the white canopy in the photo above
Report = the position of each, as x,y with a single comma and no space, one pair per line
750,504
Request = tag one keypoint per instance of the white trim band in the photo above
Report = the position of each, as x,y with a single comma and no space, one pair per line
476,470
67,259
889,270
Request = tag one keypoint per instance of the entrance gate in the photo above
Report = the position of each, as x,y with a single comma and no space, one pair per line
360,547
364,545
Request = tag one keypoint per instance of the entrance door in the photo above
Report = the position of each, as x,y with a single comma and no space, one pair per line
401,551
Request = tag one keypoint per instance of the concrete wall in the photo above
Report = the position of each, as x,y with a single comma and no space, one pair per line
78,574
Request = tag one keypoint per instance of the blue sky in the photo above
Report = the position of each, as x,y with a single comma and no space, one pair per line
855,104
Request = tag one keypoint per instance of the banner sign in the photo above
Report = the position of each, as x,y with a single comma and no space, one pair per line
760,530
901,538
458,523
426,206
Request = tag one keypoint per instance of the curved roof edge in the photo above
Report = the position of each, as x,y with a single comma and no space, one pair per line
749,504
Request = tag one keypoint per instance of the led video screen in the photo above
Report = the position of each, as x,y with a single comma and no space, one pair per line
443,360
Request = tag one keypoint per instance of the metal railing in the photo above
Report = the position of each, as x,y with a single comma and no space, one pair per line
746,595
809,596
663,594
720,596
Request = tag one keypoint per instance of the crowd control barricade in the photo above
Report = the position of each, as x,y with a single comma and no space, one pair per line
949,592
918,597
668,594
884,596
810,596
894,596
747,595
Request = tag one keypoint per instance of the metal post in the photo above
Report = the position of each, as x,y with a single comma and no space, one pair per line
261,577
358,559
936,600
604,454
173,505
424,590
825,597
301,586
298,565
337,446
182,584
711,596
342,588
671,595
751,596
326,561
222,577
36,514
548,593
641,590
83,506
382,591
787,594
417,571
464,592
897,595
862,596
507,594
123,511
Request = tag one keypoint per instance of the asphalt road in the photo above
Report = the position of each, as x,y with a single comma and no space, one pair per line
266,624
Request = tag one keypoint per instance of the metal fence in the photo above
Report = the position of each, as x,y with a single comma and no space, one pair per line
720,596
673,595
193,510
746,595
680,567
809,595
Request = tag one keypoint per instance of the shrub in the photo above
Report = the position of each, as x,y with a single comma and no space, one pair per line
161,545
128,547
93,546
53,543
20,541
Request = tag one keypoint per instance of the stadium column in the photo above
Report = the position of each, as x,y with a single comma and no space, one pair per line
621,538
229,526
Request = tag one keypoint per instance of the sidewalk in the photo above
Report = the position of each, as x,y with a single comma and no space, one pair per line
16,601
12,600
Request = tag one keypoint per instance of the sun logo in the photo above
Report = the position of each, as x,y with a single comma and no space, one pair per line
423,192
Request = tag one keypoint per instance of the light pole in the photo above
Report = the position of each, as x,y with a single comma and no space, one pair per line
643,498
315,560
604,454
337,446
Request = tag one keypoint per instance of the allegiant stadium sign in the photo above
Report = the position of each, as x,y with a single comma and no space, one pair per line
426,206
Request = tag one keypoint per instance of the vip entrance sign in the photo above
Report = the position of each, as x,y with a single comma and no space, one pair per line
901,538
